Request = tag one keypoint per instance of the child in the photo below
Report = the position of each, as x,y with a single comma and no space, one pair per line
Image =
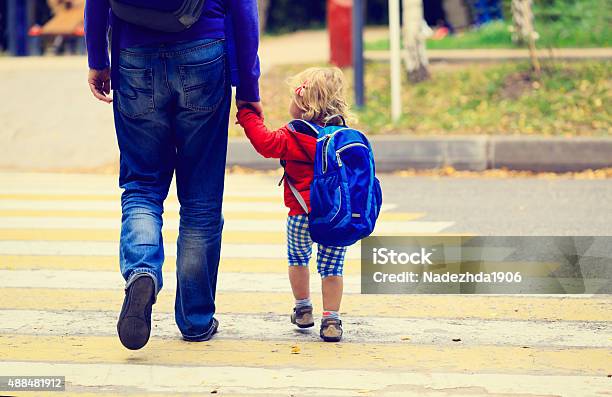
319,99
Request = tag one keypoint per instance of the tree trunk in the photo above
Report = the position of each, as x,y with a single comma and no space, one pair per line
415,33
524,29
263,6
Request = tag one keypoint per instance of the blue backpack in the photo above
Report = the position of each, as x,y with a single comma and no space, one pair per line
345,195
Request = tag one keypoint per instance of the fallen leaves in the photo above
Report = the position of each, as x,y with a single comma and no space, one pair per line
448,171
295,349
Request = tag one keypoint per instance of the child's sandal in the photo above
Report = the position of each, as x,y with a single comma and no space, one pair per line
331,330
302,317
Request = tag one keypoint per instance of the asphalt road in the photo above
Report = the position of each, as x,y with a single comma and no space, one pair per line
513,206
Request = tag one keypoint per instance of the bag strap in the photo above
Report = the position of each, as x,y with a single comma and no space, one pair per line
293,189
334,116
298,196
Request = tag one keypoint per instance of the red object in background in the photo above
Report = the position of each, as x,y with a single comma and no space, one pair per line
339,25
35,31
79,31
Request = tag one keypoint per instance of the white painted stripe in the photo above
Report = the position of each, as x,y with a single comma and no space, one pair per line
251,185
108,205
279,225
358,329
99,248
115,205
143,378
228,281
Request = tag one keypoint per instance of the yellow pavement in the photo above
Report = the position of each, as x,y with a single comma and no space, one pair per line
60,295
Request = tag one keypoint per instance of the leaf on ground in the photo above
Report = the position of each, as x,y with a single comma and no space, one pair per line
295,349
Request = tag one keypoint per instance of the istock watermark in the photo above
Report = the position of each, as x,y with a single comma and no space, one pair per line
486,265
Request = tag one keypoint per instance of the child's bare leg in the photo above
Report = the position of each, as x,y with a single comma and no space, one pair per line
299,277
330,262
332,287
299,249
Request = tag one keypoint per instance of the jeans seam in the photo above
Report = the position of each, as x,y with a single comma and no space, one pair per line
182,77
200,335
168,54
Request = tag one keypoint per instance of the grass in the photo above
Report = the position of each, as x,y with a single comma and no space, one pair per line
560,24
569,99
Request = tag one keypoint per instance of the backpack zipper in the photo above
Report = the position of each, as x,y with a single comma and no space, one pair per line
339,206
350,145
325,144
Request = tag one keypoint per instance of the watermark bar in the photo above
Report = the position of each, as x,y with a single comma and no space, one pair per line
32,383
486,265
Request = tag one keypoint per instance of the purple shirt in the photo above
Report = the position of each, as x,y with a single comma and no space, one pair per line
234,20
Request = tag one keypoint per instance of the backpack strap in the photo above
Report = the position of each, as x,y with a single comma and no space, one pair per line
293,189
304,127
307,128
335,116
298,196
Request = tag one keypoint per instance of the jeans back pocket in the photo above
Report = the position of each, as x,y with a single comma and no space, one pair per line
204,84
135,94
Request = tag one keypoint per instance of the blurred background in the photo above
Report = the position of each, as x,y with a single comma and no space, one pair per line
470,67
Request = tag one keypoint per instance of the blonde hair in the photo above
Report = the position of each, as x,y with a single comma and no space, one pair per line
319,93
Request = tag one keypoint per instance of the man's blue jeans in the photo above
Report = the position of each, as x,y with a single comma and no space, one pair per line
171,115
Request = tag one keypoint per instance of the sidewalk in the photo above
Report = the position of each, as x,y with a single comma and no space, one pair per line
312,46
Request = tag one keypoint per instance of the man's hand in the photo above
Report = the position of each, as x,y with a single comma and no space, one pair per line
256,105
99,84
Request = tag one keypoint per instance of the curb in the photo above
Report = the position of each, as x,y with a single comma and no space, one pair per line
468,153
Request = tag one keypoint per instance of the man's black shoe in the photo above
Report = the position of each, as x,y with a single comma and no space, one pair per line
134,325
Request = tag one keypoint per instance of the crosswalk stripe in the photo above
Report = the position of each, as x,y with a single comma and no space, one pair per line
85,349
161,380
564,308
116,197
227,281
170,236
236,265
252,185
115,205
27,228
357,330
111,263
231,215
101,248
234,232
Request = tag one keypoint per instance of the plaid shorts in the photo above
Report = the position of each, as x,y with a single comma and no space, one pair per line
299,249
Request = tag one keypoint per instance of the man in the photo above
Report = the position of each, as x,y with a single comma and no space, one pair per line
171,101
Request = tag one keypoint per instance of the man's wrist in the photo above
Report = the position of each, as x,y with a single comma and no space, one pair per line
99,68
247,107
248,95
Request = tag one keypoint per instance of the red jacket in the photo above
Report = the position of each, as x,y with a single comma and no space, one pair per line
296,148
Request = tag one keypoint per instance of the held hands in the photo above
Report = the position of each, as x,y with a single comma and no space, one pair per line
99,84
256,106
